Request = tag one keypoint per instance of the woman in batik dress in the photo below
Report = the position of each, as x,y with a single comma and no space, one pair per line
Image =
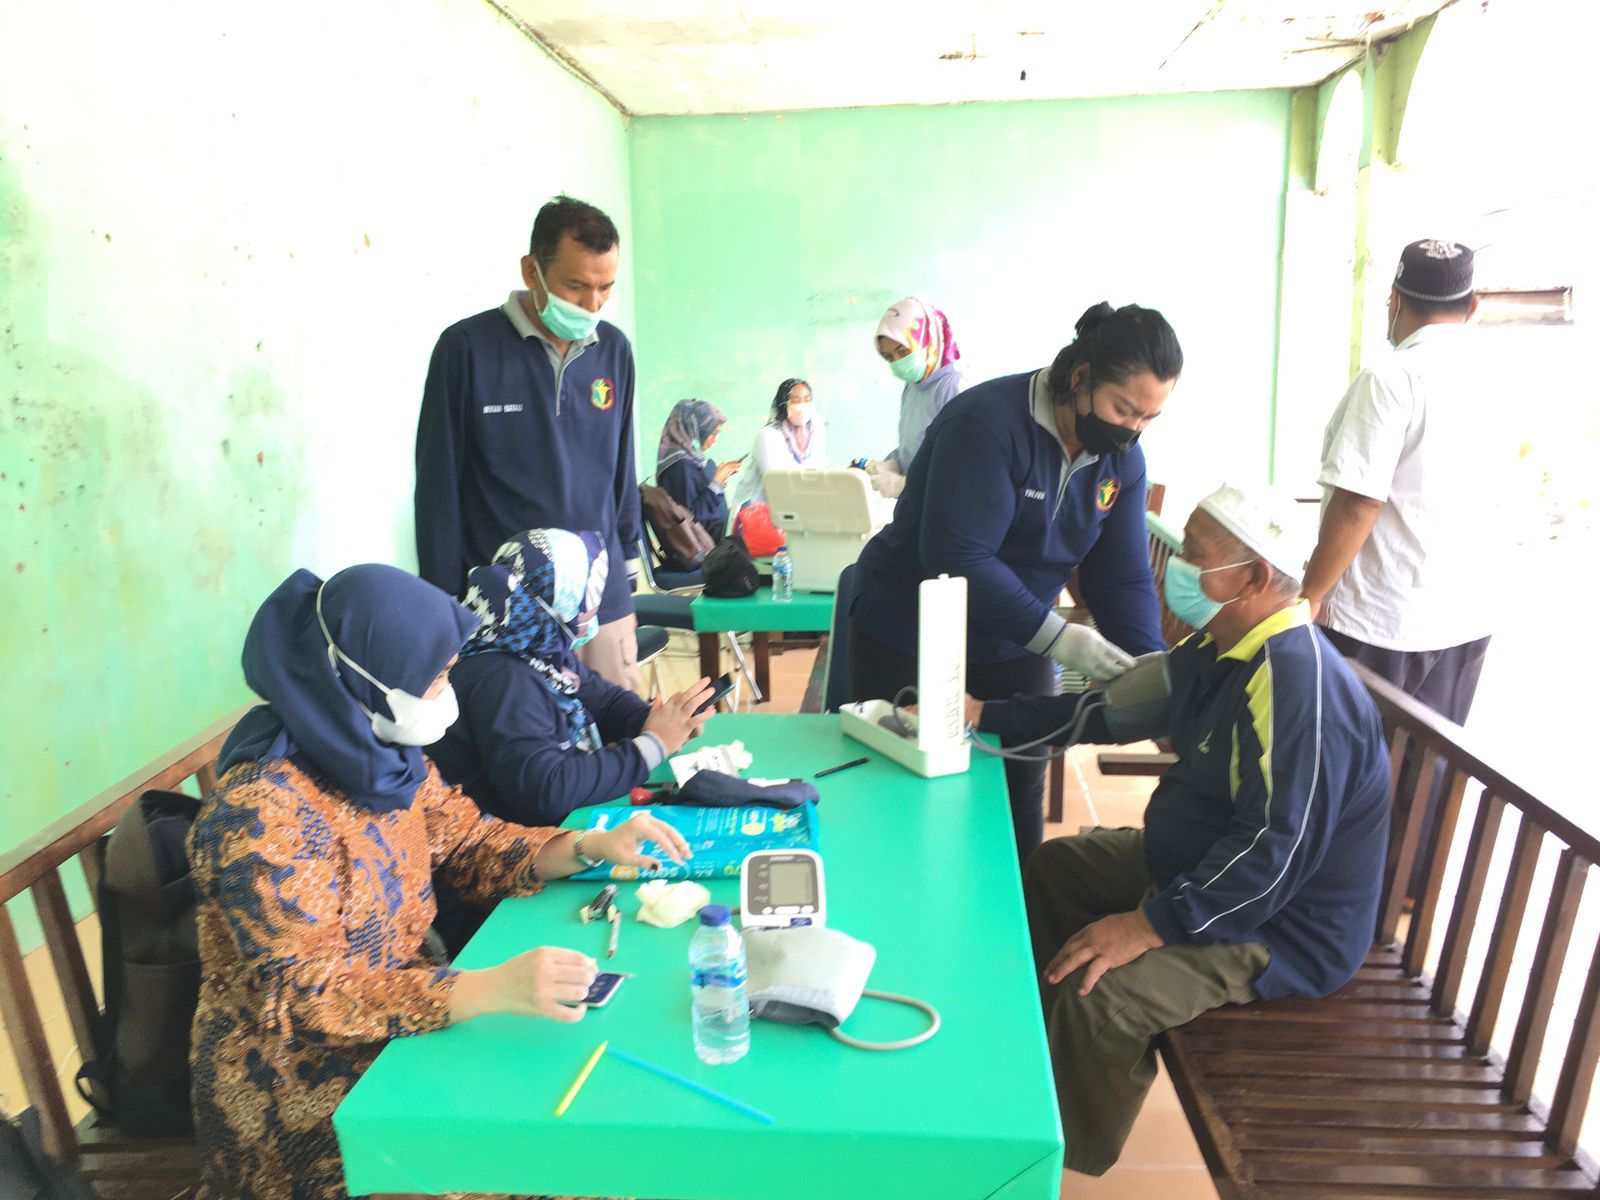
313,859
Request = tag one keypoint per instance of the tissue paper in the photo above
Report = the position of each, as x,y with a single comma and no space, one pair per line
666,904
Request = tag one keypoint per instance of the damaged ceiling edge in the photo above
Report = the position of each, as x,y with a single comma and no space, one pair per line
562,59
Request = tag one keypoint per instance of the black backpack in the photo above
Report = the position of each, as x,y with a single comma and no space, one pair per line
729,571
151,953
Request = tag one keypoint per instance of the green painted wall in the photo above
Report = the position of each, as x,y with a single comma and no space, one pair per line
769,246
229,236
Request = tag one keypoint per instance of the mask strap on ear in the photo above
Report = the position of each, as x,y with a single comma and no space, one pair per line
571,633
1244,562
904,1043
335,654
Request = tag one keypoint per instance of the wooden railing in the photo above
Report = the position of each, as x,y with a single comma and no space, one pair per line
35,867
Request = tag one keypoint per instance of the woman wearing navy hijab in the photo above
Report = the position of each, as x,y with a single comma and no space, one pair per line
685,471
540,733
312,858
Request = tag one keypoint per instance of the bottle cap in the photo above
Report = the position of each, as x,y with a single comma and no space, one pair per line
714,914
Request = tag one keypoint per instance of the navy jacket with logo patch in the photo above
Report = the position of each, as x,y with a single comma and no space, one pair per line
985,498
500,451
1273,825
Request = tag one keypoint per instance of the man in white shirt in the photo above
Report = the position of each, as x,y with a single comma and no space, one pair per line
1409,465
1409,498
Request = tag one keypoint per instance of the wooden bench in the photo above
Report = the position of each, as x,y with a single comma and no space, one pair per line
117,1166
1394,1086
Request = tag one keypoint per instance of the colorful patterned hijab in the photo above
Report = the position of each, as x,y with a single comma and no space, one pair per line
400,628
567,572
688,426
799,446
915,323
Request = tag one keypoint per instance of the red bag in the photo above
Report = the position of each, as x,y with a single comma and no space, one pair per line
755,529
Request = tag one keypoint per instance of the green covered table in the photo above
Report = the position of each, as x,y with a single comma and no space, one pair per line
925,870
757,615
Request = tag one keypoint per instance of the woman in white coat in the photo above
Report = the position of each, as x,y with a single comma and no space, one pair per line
793,438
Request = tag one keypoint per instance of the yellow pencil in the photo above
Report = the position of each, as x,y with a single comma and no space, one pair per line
583,1075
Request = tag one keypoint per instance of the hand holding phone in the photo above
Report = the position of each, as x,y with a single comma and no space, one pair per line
677,719
719,689
604,987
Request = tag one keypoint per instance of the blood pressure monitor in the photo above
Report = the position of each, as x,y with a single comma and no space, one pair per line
780,888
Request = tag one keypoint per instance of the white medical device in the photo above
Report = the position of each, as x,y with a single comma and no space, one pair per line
827,516
780,888
935,742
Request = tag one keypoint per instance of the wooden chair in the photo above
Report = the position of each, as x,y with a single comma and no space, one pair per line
1393,1086
1165,541
117,1166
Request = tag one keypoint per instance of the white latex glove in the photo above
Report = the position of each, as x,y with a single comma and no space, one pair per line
889,483
1082,649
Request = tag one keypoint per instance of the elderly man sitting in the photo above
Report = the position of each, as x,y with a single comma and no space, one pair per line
1257,871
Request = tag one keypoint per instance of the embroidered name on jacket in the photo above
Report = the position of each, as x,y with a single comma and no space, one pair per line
1033,493
501,408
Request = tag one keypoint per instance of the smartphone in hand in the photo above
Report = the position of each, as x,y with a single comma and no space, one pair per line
720,687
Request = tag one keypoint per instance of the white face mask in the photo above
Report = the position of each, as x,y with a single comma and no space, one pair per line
577,638
417,720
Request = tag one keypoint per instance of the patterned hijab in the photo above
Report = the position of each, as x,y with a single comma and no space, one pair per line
915,323
539,586
688,426
400,628
799,446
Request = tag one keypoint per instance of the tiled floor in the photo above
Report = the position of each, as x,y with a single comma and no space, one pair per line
1161,1158
57,1030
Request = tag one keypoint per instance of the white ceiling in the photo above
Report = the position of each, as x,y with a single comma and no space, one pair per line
654,57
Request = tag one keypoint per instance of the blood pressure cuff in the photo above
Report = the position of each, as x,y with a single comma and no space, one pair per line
805,975
714,789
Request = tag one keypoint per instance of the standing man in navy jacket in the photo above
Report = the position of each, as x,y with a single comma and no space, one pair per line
1258,869
527,422
1019,482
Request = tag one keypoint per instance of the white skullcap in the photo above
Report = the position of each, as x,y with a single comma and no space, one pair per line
1267,521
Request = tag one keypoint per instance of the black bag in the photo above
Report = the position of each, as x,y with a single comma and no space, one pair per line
729,571
683,541
715,789
151,953
26,1172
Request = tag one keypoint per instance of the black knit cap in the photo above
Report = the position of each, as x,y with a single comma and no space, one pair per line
1434,270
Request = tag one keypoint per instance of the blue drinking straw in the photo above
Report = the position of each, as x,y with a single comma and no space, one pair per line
700,1088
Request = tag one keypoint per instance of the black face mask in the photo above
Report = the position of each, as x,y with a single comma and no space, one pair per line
1100,436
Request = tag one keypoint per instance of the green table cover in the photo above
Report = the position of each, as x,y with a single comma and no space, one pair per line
925,870
760,612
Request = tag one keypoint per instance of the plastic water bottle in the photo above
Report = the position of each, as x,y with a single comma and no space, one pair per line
782,574
716,979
